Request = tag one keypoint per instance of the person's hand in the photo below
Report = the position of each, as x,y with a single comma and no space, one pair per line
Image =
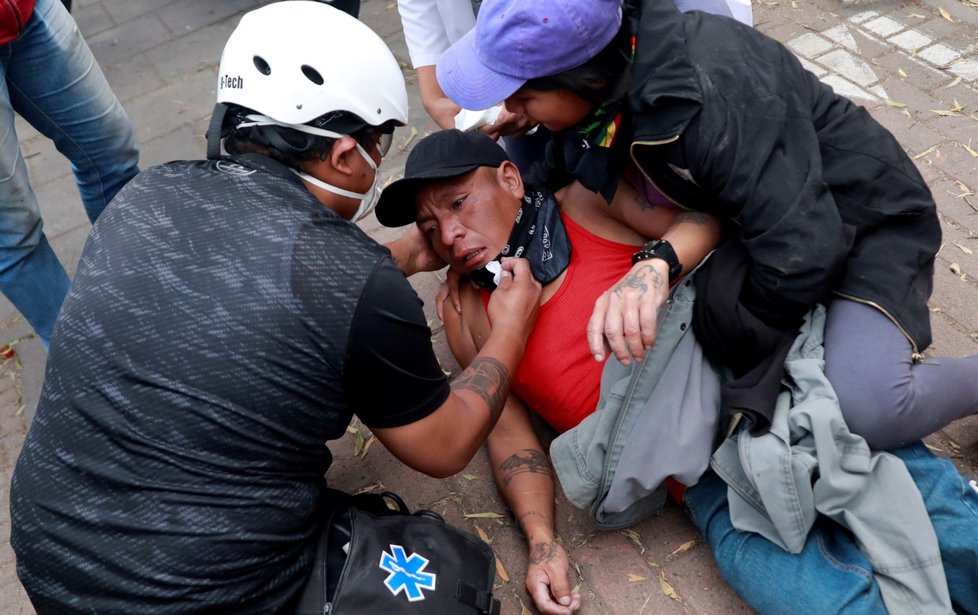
625,316
507,125
547,581
514,304
448,290
412,252
425,257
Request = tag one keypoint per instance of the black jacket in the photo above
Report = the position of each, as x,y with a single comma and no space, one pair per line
825,197
726,120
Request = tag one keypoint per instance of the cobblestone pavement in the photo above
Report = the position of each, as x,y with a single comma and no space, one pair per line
913,64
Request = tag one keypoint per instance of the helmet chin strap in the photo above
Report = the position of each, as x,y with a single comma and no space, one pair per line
214,131
257,119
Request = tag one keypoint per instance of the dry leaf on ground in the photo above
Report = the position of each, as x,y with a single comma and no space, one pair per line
686,546
963,187
925,152
482,534
501,570
667,589
634,537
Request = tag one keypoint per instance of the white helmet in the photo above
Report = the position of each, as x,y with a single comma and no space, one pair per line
294,61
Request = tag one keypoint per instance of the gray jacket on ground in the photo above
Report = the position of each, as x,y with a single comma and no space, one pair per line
809,463
659,418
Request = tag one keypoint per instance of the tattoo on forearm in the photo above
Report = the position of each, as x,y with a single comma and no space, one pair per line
543,552
693,217
637,280
487,378
534,462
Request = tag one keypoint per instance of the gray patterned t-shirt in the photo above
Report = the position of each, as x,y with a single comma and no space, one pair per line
222,326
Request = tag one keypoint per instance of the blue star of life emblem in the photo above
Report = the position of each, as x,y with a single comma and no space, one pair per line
406,573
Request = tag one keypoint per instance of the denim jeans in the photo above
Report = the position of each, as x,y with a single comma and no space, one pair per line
52,80
830,575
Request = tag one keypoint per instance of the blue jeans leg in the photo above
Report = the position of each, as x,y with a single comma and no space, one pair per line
57,86
828,576
50,77
953,507
31,276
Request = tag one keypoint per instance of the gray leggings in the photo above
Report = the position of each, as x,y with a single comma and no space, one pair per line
886,397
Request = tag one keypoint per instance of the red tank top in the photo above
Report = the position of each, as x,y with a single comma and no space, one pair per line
557,377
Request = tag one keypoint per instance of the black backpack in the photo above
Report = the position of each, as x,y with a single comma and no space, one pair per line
375,558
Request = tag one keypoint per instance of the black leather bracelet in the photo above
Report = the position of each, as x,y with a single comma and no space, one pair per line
660,248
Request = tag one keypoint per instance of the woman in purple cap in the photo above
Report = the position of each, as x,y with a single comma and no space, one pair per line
698,111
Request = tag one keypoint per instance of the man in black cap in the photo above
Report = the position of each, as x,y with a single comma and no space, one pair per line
470,202
440,155
467,212
452,171
464,194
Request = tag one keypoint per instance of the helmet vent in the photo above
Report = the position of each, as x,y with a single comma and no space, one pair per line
312,74
262,65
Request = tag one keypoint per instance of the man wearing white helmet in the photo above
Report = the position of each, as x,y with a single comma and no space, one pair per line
226,320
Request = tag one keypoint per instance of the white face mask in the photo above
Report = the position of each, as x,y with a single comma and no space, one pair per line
368,199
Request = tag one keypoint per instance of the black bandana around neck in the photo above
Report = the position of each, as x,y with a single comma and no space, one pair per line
538,235
600,144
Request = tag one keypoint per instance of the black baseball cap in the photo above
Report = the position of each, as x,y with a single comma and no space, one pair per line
443,154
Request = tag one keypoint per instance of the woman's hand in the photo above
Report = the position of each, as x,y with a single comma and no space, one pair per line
625,316
546,579
507,125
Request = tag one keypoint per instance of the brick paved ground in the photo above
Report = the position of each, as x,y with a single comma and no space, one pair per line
914,65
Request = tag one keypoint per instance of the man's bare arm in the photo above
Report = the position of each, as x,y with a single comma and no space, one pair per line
442,443
526,480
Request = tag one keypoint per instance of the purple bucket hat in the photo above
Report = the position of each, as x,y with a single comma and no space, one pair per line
517,40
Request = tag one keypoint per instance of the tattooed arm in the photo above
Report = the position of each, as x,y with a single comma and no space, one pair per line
625,317
526,480
443,443
519,465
